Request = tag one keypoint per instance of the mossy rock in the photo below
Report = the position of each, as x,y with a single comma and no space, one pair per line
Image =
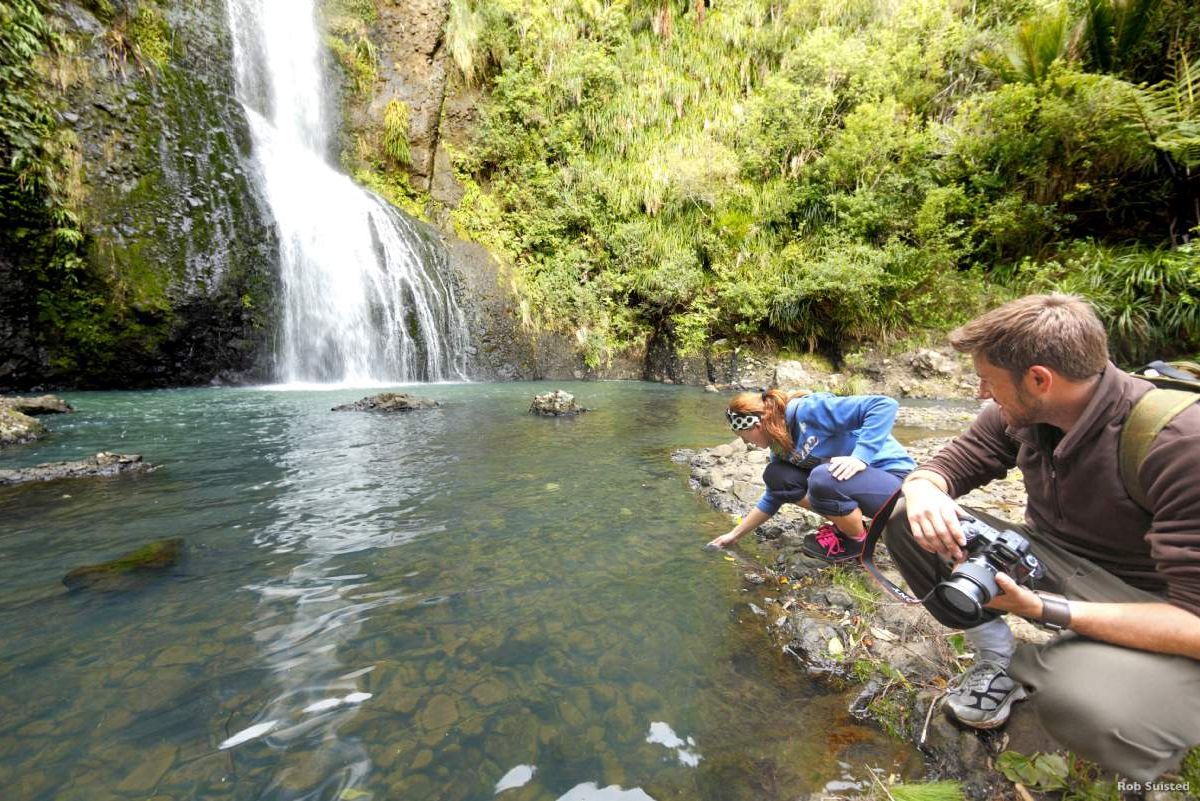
127,570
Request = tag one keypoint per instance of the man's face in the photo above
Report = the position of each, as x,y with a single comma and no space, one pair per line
1018,407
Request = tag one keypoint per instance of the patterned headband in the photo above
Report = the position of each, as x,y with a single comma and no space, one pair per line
740,422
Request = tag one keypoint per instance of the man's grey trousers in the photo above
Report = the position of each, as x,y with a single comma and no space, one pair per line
1134,712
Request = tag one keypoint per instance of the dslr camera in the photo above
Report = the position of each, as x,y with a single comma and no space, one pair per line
989,551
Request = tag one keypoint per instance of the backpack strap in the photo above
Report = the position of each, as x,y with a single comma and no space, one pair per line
1150,415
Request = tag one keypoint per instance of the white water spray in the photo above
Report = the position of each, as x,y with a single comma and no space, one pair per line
364,298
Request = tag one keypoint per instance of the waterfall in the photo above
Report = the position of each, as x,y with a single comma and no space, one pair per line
365,299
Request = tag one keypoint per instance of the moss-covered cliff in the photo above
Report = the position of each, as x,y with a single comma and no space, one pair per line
135,250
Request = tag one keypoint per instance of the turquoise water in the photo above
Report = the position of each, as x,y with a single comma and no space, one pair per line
464,603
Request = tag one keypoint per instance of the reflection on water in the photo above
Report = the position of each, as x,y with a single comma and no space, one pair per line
459,604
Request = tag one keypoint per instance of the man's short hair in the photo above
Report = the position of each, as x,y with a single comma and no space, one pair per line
1058,331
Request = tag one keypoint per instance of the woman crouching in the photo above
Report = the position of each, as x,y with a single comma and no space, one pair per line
833,455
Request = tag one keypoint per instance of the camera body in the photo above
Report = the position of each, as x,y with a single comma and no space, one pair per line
989,551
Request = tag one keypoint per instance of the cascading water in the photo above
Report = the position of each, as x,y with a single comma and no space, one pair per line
364,297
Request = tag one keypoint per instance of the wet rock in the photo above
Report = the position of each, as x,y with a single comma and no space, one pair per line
117,574
17,428
46,404
811,641
101,465
957,752
388,402
555,404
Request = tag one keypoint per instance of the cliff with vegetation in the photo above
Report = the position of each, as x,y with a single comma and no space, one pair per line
629,188
133,249
805,174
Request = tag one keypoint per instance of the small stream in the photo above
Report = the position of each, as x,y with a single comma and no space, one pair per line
467,603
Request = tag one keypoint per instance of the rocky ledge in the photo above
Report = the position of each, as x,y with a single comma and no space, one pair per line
102,464
45,404
17,425
17,428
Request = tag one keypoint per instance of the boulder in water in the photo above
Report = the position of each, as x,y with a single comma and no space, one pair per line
128,569
46,404
388,402
17,428
102,464
555,404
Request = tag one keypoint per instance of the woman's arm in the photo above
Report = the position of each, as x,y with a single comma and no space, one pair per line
753,519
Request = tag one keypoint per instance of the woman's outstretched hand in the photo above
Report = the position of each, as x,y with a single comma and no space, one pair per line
844,467
725,540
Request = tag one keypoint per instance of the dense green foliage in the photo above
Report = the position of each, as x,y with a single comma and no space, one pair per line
821,172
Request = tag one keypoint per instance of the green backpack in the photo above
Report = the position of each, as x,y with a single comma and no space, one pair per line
1177,386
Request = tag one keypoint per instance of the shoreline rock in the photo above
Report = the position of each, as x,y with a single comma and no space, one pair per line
17,428
44,404
103,464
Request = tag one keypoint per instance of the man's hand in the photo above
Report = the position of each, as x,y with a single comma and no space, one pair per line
1016,599
933,519
725,540
844,467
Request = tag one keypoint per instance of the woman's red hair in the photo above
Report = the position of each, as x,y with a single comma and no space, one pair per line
771,407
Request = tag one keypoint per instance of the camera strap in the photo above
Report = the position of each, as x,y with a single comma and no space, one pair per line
878,524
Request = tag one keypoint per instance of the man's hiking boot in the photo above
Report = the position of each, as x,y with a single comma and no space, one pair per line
831,545
982,697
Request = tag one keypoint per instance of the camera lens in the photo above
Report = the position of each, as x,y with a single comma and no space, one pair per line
962,595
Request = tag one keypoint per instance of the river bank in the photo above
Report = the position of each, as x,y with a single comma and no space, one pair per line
892,659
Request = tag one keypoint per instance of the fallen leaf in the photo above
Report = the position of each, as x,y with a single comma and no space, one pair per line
835,647
883,634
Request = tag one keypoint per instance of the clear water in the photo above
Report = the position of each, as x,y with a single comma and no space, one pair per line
427,606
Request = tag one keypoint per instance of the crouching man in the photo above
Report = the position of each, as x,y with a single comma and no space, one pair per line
1121,684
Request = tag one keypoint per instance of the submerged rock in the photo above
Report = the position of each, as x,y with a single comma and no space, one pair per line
102,464
118,573
46,404
17,428
555,404
388,402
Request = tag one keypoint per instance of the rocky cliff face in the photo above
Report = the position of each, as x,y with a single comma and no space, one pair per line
178,247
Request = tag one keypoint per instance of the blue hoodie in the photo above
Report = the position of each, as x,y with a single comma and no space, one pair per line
824,425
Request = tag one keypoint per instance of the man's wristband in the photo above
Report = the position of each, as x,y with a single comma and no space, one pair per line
1056,611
